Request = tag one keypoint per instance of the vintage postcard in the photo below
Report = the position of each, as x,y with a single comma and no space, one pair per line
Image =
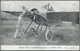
40,25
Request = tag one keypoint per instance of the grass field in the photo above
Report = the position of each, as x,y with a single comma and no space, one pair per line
8,26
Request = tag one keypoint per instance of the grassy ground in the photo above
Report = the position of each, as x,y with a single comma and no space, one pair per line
70,34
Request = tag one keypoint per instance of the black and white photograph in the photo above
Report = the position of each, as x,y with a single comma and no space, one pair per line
39,23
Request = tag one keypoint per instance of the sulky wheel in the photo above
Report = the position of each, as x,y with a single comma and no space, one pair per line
31,32
48,35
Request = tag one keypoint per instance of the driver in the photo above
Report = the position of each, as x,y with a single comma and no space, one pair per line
34,13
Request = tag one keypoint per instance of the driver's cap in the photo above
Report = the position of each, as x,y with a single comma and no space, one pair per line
34,9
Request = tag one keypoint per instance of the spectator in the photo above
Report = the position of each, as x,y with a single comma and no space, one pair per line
19,25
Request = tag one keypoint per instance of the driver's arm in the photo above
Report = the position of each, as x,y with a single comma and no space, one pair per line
34,17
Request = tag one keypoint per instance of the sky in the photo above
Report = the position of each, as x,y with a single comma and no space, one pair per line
67,6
